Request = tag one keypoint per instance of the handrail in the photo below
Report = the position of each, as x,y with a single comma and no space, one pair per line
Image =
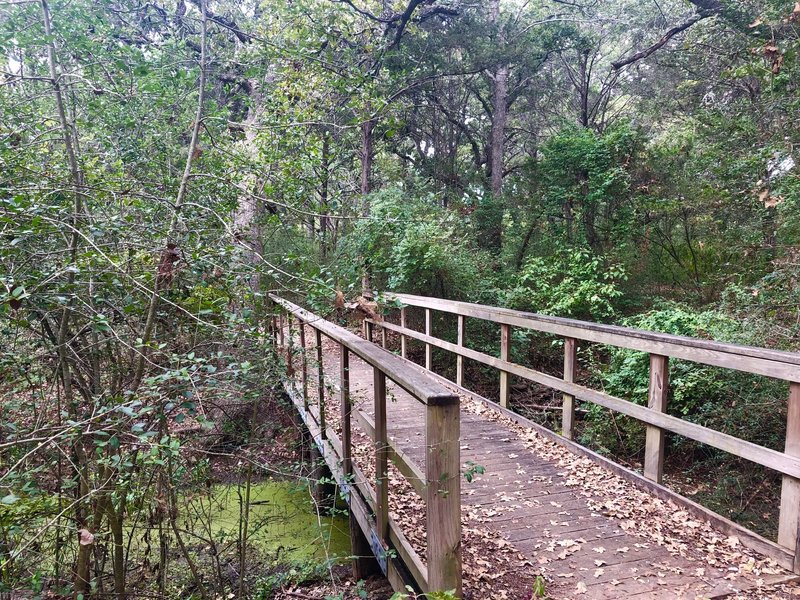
440,485
426,390
750,359
772,363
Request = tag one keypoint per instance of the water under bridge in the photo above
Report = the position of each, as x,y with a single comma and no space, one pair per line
451,491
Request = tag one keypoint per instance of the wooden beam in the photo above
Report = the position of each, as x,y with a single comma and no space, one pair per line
656,400
320,381
459,358
346,411
289,357
505,354
381,458
304,365
789,520
778,461
402,337
568,400
443,498
428,353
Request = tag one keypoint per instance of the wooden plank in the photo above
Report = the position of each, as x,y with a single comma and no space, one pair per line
568,400
656,400
402,337
401,372
443,501
761,361
381,457
459,358
304,364
778,461
428,352
383,338
505,354
789,521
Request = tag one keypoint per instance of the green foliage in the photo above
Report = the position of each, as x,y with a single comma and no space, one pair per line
412,245
722,399
570,283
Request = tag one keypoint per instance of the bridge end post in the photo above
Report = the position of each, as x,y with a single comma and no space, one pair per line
443,491
789,520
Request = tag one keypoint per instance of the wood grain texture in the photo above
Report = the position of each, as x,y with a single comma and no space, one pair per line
789,522
443,498
459,358
568,400
381,457
656,400
428,352
505,354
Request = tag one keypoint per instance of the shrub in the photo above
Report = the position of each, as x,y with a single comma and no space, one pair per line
729,401
572,283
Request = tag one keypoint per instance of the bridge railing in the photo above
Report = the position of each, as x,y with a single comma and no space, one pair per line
661,347
439,483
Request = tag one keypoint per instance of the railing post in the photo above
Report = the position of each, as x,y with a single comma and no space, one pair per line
789,520
443,490
428,349
304,364
280,329
505,354
320,384
402,337
368,330
459,358
568,407
383,337
344,384
381,458
289,357
657,400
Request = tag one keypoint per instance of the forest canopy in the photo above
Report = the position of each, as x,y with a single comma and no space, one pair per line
165,166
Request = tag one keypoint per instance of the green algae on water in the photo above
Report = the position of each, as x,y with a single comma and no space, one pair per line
283,523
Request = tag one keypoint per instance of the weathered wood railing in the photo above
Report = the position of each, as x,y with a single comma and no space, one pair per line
771,363
438,483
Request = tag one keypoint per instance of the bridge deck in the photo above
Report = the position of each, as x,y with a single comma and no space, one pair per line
538,509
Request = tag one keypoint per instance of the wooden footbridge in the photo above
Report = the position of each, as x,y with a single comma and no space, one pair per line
450,491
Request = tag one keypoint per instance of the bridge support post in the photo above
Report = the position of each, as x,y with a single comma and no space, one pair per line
657,400
789,521
505,354
459,358
428,347
320,385
304,363
443,491
568,408
402,337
